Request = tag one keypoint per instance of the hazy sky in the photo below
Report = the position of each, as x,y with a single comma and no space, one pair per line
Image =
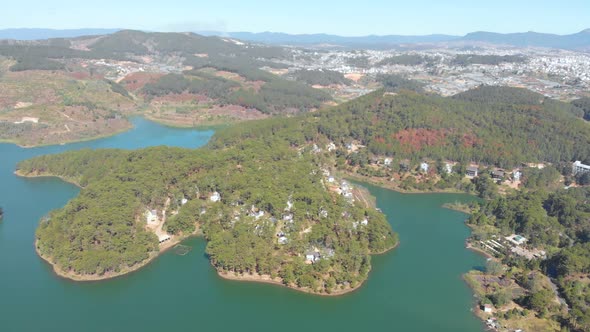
344,17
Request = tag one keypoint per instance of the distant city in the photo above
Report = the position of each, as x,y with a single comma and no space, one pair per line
559,74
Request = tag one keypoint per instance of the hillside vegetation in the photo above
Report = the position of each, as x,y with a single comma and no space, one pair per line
65,107
320,77
495,126
175,78
557,222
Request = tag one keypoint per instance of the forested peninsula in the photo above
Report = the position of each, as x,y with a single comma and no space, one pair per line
265,208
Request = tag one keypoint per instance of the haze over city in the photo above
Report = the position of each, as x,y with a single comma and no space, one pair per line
373,17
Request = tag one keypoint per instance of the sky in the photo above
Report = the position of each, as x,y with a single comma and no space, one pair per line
342,17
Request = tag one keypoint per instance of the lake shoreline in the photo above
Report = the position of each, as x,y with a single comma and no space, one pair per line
393,187
80,140
90,277
267,279
459,207
19,173
212,126
481,252
117,132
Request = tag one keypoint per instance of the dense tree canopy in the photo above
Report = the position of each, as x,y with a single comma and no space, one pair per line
466,128
395,83
275,95
103,229
320,77
584,105
558,222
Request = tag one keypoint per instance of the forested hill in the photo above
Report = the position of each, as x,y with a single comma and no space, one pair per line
272,209
556,222
177,78
126,44
496,126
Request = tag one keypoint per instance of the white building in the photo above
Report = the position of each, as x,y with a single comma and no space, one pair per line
215,197
257,215
331,147
516,239
424,167
312,256
578,168
289,205
449,168
152,217
163,238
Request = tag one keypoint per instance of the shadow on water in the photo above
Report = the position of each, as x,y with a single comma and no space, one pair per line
479,268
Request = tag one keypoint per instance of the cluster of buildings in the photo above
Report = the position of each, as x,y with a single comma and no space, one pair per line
471,171
558,74
515,244
116,70
341,188
313,256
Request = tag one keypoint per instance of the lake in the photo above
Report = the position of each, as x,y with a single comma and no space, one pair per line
416,287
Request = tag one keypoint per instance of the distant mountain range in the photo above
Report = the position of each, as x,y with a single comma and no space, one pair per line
325,39
575,41
580,40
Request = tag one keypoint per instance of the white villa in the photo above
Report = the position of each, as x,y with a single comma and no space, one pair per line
516,239
578,168
312,256
152,217
331,147
449,168
215,197
288,217
424,167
